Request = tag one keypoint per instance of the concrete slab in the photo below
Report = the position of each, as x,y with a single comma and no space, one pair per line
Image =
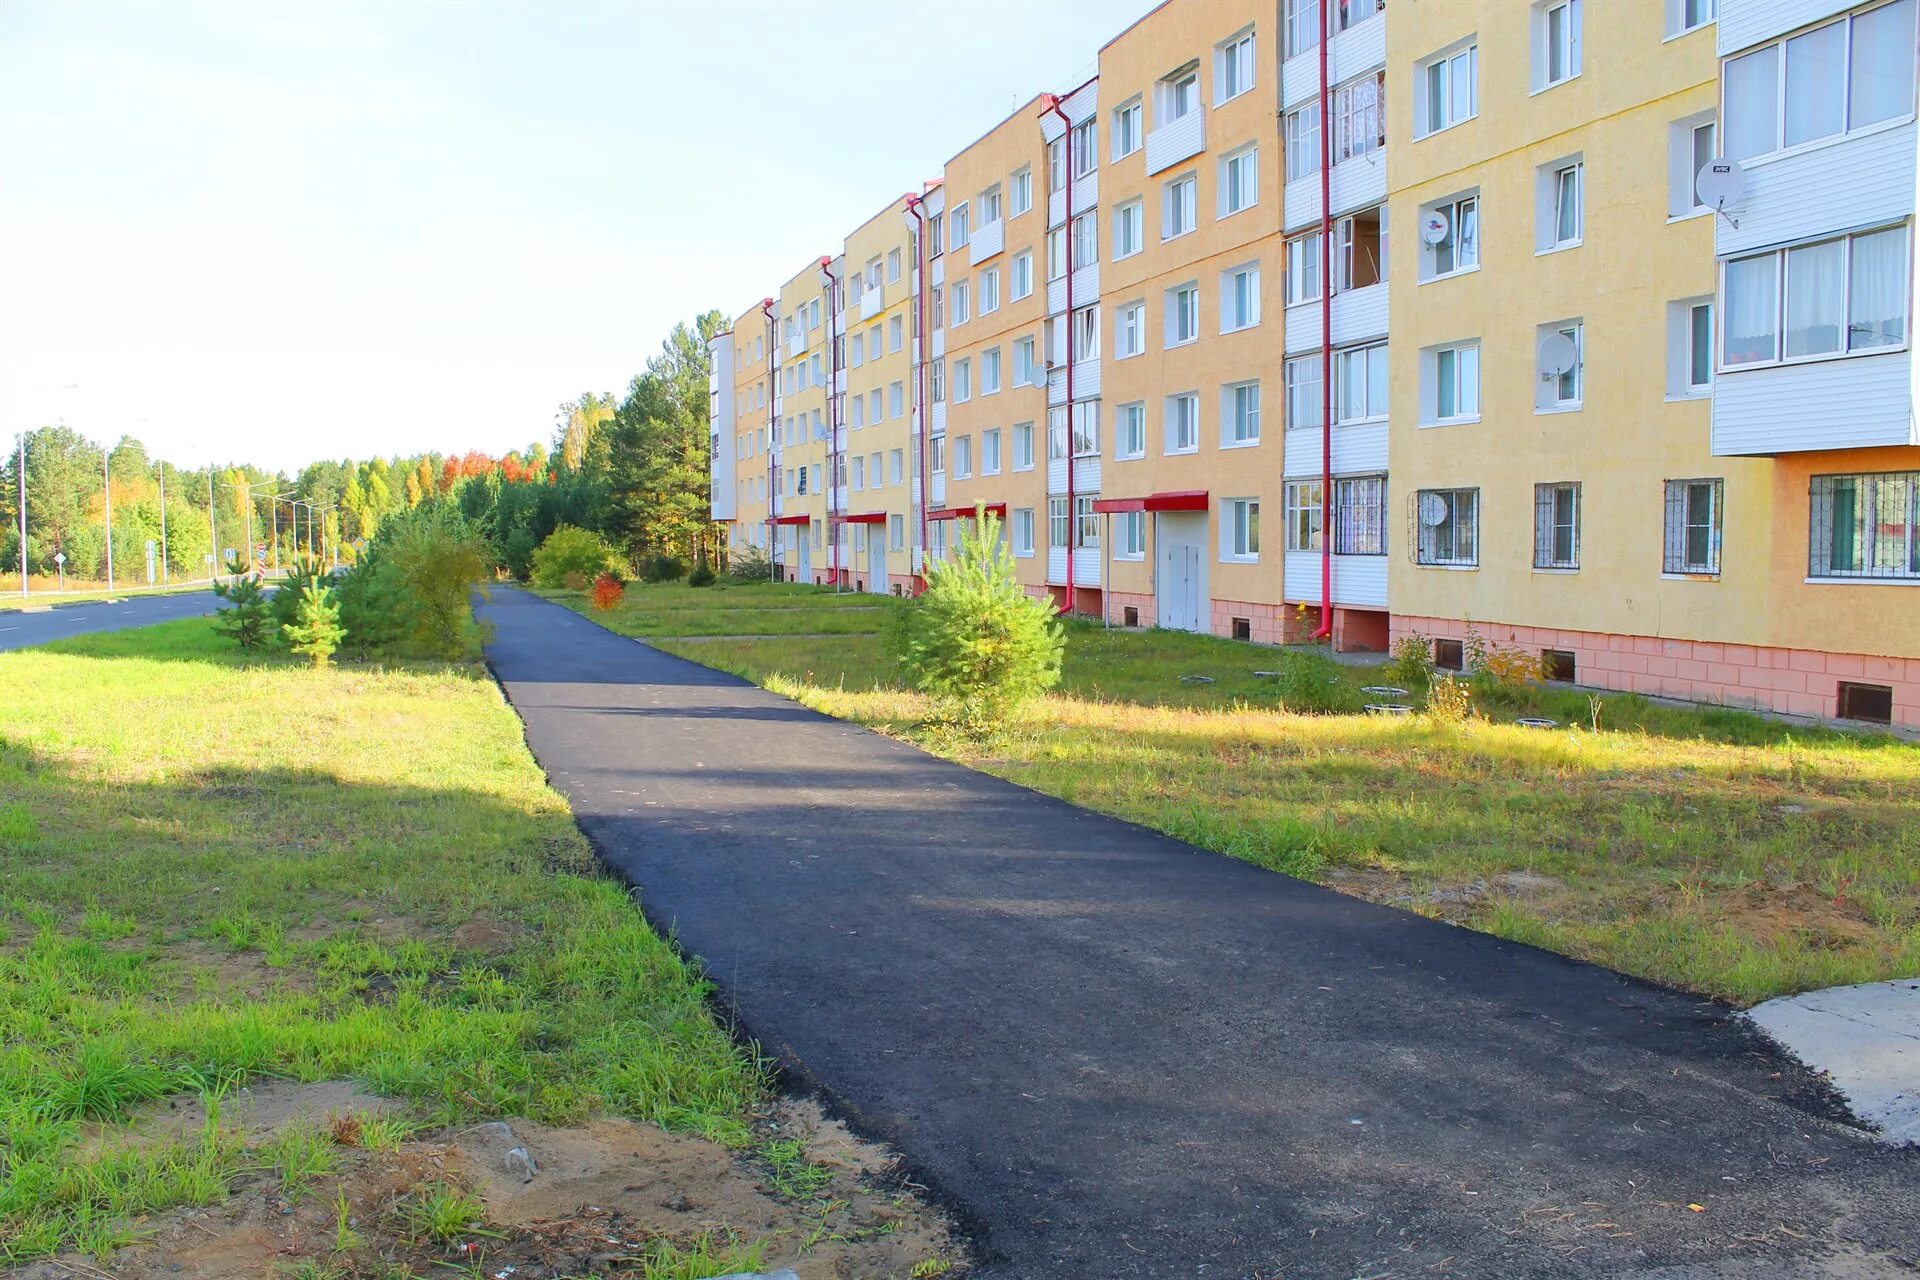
1866,1039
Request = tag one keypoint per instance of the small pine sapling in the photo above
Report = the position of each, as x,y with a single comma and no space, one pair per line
316,629
245,620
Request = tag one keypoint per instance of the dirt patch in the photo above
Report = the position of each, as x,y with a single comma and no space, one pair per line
209,969
590,1200
1457,901
1796,912
487,937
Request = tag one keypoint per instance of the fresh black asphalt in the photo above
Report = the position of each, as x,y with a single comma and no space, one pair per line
1117,1056
19,629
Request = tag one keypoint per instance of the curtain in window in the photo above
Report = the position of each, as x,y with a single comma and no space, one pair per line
1843,548
1816,298
1877,310
1752,310
1816,94
1882,69
1752,89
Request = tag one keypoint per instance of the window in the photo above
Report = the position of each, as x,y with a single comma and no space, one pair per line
1023,446
1690,145
962,381
1556,526
896,331
1560,388
1086,429
896,399
1359,516
957,227
1303,515
1865,526
937,306
1449,90
1023,362
857,413
1085,240
1693,526
1239,415
1556,42
1183,424
1688,15
1303,268
989,291
896,466
1359,117
1130,431
1023,531
1459,248
1020,192
1022,274
1086,333
1853,72
1302,152
1177,212
1303,391
962,457
1240,298
1086,155
896,533
1233,68
893,266
1057,164
1056,433
1557,213
1300,26
1086,520
1449,527
1130,330
1126,129
859,351
1360,249
990,371
990,452
1239,180
1128,220
1451,384
1360,383
1690,347
1183,315
1057,523
958,298
1348,14
1240,529
1056,253
1130,536
1834,297
859,472
1179,95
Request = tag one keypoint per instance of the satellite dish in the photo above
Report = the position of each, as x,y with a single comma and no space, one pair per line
1557,355
1434,227
1433,509
1038,377
1720,184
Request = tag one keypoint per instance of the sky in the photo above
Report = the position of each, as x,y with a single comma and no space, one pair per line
275,232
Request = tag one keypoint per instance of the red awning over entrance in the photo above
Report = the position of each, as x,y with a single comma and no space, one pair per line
789,520
961,513
864,517
1176,500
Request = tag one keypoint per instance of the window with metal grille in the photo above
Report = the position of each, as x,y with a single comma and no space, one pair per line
1360,516
1448,521
1556,526
1865,526
1693,526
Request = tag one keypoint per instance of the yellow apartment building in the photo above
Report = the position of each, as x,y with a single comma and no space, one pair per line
802,467
743,392
987,306
881,518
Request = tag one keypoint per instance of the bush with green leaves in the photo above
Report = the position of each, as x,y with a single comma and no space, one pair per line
376,609
749,564
974,640
663,569
702,575
572,557
440,557
1314,684
245,620
315,631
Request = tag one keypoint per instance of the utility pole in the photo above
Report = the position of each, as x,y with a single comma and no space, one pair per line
163,524
106,490
213,526
273,505
22,477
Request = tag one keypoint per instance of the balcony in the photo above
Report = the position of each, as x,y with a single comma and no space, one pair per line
1360,581
1086,289
1359,183
986,241
873,301
1855,402
1086,194
1176,140
1086,566
938,271
1360,449
1086,382
797,343
939,343
1358,314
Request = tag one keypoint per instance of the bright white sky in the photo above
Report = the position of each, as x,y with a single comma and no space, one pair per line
280,231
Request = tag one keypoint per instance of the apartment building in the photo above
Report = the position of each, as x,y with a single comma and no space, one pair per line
741,419
988,315
1647,393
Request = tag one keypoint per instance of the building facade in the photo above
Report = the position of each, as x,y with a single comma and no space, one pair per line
1644,407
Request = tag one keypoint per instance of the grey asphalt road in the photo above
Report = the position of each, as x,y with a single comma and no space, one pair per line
1116,1056
18,629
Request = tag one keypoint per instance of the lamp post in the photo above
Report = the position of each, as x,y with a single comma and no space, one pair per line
106,491
161,467
21,476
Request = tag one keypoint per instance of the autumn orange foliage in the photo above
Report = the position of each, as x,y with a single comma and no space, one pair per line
607,593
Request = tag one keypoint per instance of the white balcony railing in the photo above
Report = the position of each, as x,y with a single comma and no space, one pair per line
986,241
1176,140
873,301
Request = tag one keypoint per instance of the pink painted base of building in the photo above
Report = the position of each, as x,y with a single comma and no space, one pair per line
1244,620
1802,682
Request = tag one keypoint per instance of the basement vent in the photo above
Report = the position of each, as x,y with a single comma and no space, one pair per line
1870,702
1448,655
1243,629
1130,616
1558,664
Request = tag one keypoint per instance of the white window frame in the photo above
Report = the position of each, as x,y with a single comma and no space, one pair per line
990,371
1023,446
1239,411
1370,353
1021,282
990,452
1130,536
1427,549
1231,320
1687,16
989,291
1240,530
1129,330
1301,129
1550,398
1460,362
1183,304
1234,67
1550,44
1777,50
1782,281
1677,522
1130,217
1304,398
1023,532
1547,525
1178,206
1303,269
1304,515
1181,424
1128,137
1464,251
1177,95
1239,180
1020,191
1130,431
1459,65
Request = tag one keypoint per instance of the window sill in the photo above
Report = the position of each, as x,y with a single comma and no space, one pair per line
1175,346
1450,422
1551,410
1224,214
1549,88
1690,397
1451,124
1702,212
1028,467
1023,555
1239,559
1122,257
1560,571
1130,559
1241,444
1377,420
1450,568
1455,274
1825,357
1130,457
1118,356
1691,575
1832,139
1179,453
1862,582
1238,328
1178,235
1685,31
1560,247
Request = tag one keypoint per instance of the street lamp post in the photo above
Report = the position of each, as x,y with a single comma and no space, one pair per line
164,580
106,490
22,477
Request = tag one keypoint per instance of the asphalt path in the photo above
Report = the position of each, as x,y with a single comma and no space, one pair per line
19,629
1114,1055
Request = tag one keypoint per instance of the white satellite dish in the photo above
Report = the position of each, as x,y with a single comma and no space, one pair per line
1433,509
1038,377
1557,355
1719,186
1434,227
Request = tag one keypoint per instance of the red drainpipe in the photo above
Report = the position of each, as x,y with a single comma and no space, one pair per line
921,337
773,426
833,427
1066,225
1325,630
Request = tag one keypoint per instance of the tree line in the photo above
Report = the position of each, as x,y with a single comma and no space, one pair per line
632,468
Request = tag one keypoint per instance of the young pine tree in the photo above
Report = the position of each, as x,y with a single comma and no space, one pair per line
245,621
316,630
974,640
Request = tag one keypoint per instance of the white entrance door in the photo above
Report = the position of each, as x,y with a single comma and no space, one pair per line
804,560
1181,570
877,559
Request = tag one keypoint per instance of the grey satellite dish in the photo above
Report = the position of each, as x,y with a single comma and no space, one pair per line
1434,227
1719,186
1038,377
1433,509
1557,356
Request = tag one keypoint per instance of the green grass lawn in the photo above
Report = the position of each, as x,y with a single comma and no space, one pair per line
1711,849
215,869
736,609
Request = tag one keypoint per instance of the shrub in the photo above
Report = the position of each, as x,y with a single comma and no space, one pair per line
974,640
702,575
664,569
607,593
1412,664
283,606
750,564
517,553
376,609
1449,701
316,631
440,557
572,557
1313,683
246,620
